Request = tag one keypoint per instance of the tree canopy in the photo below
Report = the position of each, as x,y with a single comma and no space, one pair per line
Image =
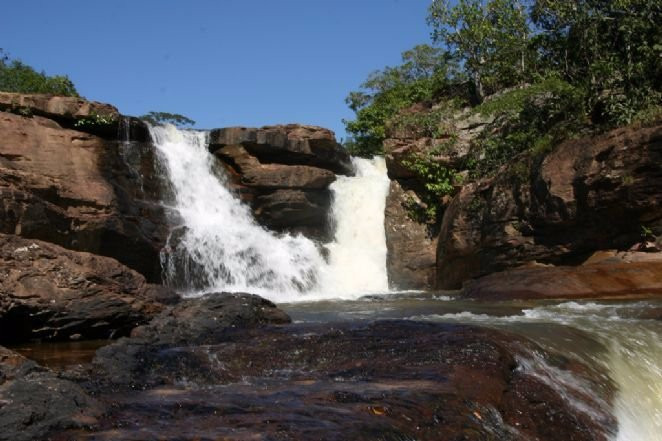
16,76
603,56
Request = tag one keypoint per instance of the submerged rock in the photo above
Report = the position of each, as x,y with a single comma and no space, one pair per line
50,293
34,402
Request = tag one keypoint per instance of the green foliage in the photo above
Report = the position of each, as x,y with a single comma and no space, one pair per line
15,76
95,120
529,119
542,70
490,37
423,76
159,118
438,181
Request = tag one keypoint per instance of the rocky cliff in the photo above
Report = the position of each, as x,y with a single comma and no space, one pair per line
69,175
586,195
283,173
589,194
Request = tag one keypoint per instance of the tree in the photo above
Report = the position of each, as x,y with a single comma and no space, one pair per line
424,73
15,76
613,49
157,118
491,38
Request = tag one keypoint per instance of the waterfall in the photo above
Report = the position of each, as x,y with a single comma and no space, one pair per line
220,247
357,256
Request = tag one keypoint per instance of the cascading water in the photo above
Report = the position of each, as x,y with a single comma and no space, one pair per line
220,247
357,256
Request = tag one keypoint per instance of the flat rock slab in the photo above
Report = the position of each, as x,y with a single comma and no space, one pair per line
392,380
607,279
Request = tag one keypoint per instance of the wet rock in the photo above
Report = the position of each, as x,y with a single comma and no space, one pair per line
81,191
145,357
289,209
50,293
34,402
387,380
587,195
291,144
411,245
595,280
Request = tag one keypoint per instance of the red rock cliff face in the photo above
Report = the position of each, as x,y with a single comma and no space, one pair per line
586,195
64,185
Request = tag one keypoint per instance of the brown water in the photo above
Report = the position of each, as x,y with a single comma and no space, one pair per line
61,354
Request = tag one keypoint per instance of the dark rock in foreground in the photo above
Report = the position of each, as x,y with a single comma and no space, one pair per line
50,293
35,402
214,369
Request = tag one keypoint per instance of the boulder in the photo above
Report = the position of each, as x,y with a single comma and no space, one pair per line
291,144
586,195
35,403
605,279
81,191
50,293
411,245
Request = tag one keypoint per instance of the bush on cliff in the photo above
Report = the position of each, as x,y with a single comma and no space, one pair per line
16,76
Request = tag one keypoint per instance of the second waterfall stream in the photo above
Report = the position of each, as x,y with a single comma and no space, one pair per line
220,247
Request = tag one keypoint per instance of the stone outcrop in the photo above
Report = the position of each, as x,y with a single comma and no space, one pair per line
34,402
79,190
411,245
410,239
50,293
618,279
291,144
284,173
586,195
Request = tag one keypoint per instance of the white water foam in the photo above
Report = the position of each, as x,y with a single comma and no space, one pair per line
357,256
220,247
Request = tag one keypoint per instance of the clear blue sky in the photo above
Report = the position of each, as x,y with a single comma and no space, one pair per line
221,63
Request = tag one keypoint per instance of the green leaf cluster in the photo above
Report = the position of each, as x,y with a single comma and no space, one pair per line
18,77
95,120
